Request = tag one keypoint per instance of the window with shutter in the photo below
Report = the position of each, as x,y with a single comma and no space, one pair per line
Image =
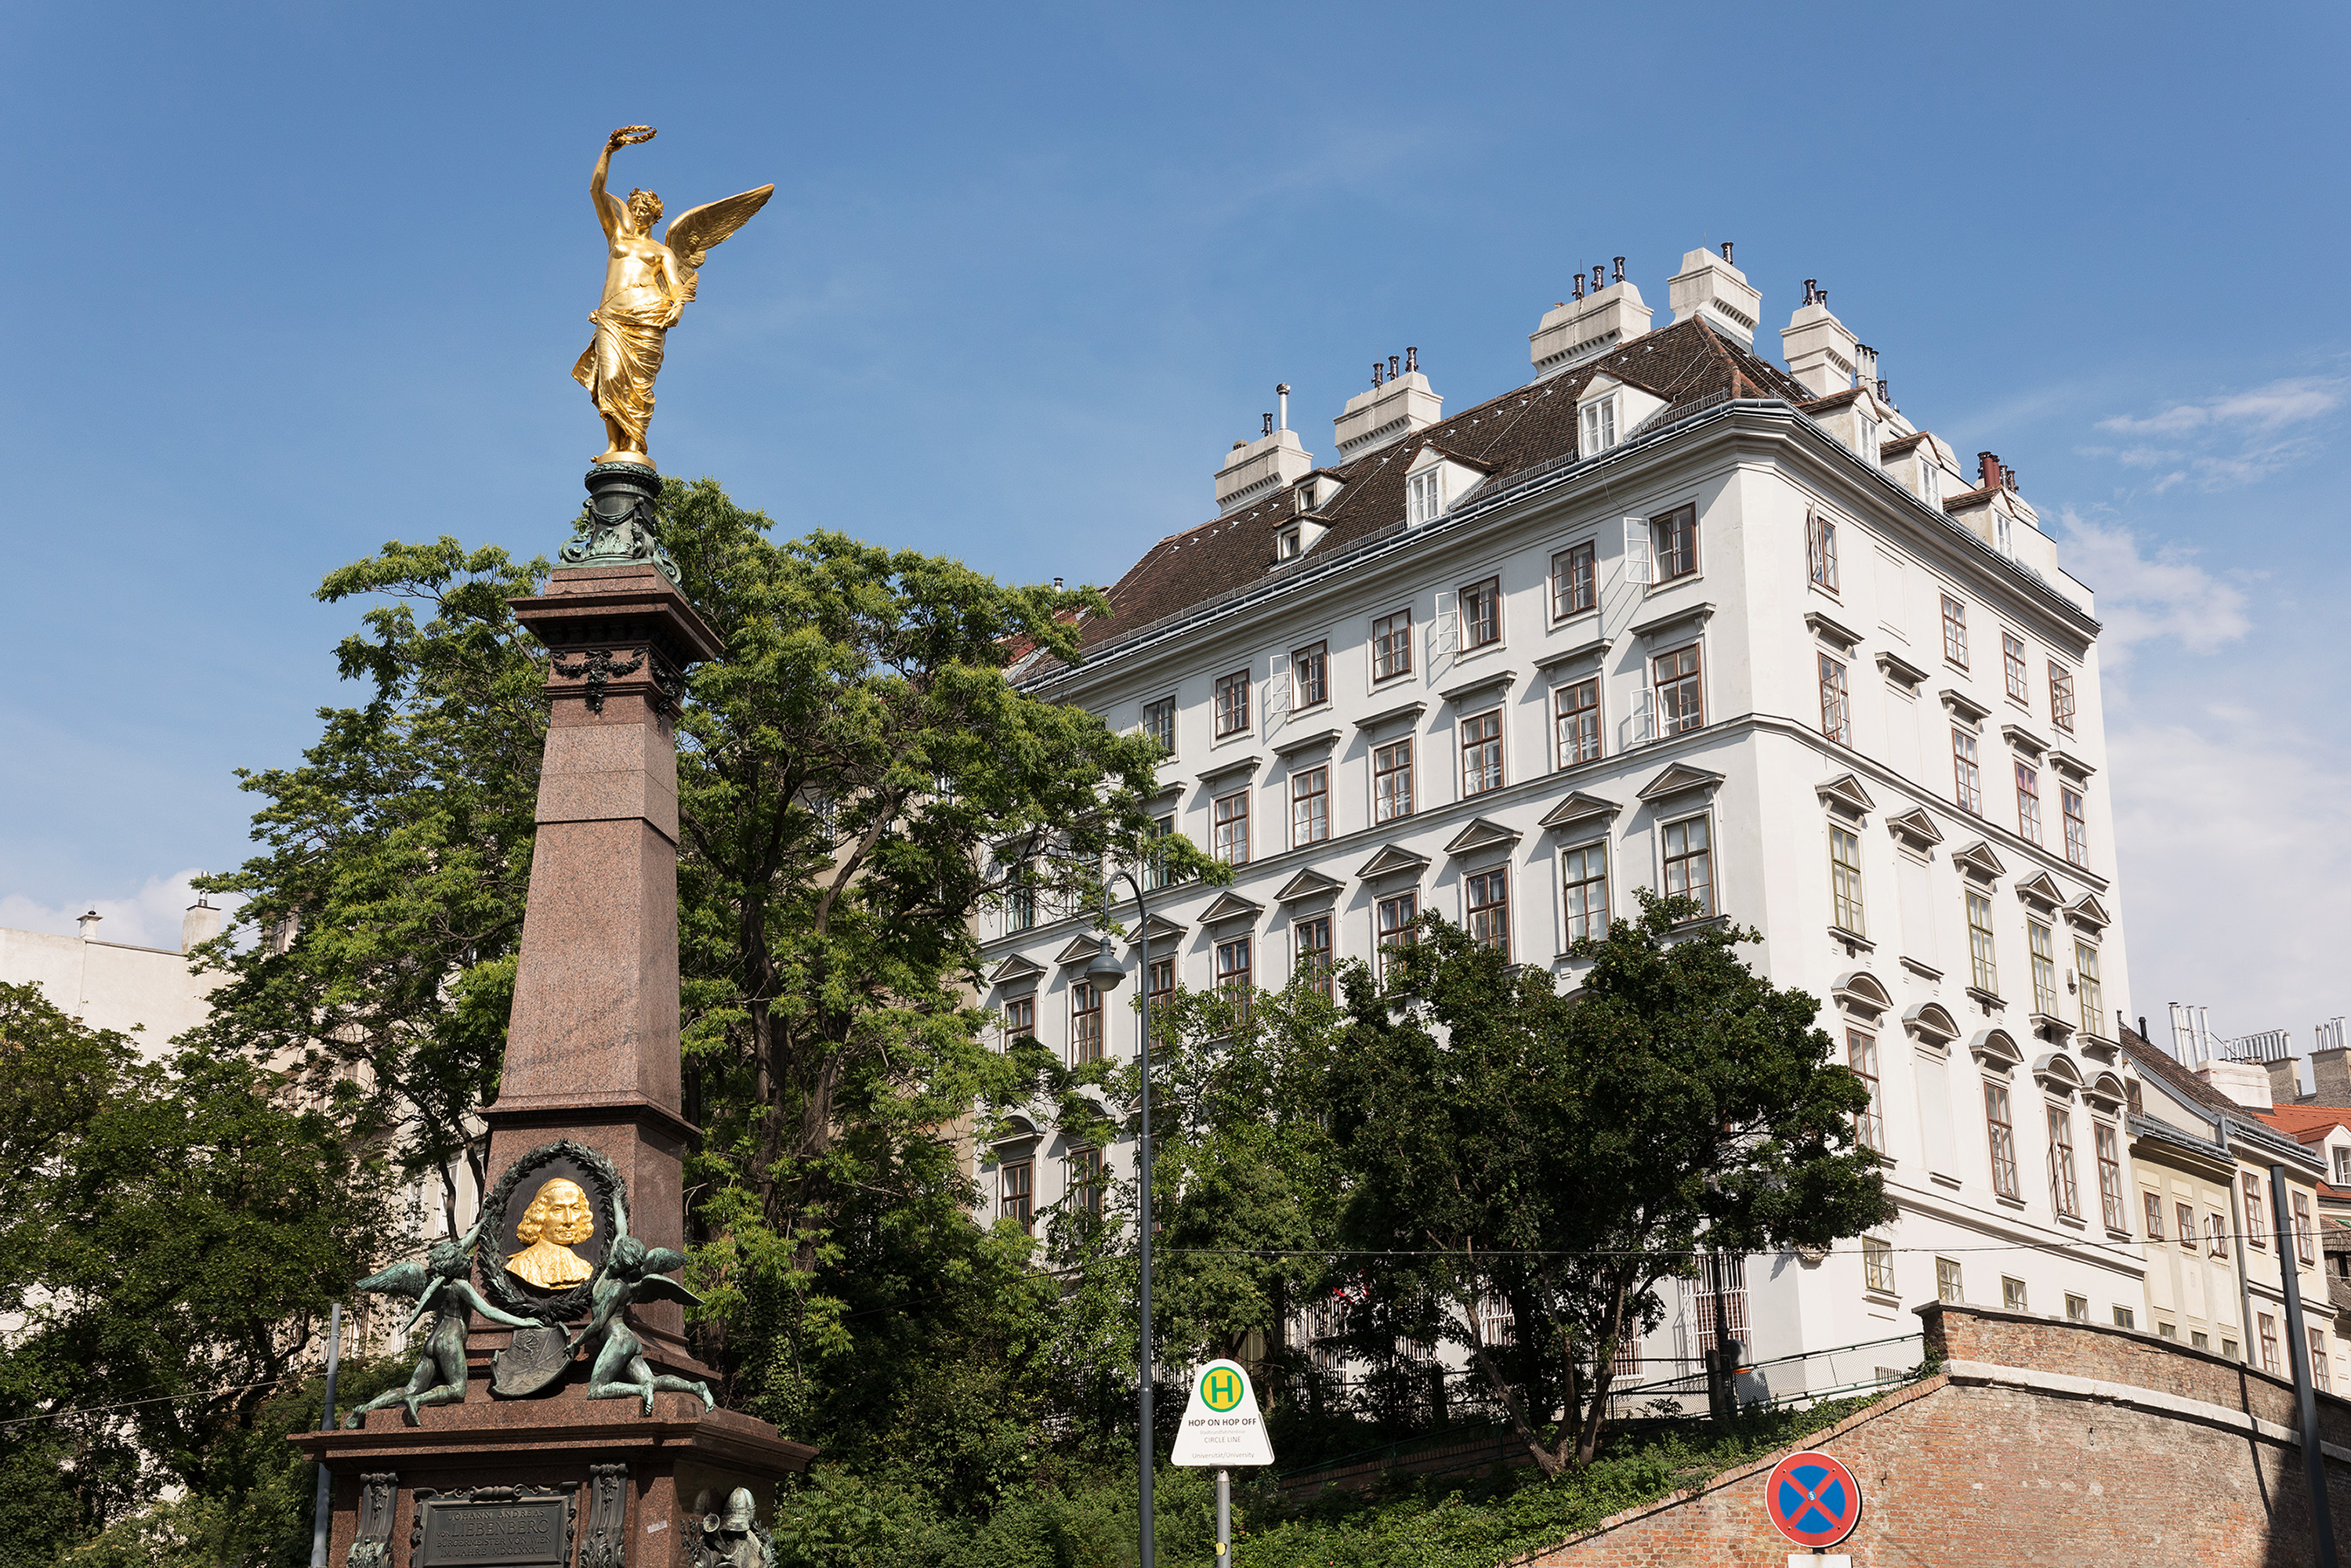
1637,564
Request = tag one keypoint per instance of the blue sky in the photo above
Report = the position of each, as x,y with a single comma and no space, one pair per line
298,279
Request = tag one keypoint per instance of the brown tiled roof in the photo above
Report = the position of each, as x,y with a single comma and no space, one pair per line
1685,363
1967,499
1899,444
2155,1062
2306,1123
1835,399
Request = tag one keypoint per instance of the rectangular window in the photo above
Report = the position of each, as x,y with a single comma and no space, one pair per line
1392,645
2012,1294
2304,1236
1845,879
1930,479
1313,948
2012,666
2154,1209
2061,697
2124,1318
2077,1309
1392,781
1163,980
1955,632
1584,878
1574,582
1819,549
2254,1230
1836,704
2343,1167
1397,929
1310,676
1021,899
1984,961
1967,779
1577,710
1861,1055
2216,1234
2044,948
2318,1361
2028,801
1489,909
2268,1325
1728,1303
2077,825
2110,1180
1233,703
2199,1340
1085,1023
1947,1282
2002,1134
1425,495
1019,1020
1877,1265
2065,1197
1481,614
2187,1217
1599,427
1232,842
1680,703
1481,753
1159,723
1673,542
1016,1189
1310,806
1690,864
1085,1177
2093,997
1233,972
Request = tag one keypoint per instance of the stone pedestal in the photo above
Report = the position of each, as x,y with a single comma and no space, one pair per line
558,1479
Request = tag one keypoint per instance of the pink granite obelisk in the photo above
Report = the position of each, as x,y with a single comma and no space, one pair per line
591,1064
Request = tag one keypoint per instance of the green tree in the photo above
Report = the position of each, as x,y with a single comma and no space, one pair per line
172,1235
1571,1153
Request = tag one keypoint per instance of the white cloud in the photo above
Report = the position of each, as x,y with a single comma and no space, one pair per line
149,918
2230,439
2142,597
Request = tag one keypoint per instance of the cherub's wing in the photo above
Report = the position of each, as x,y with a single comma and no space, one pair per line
658,1288
400,1280
664,1260
693,232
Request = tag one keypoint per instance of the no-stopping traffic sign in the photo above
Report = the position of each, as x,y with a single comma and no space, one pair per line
1812,1499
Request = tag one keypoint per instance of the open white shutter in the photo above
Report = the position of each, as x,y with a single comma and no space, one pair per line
1276,691
1641,724
1637,568
1444,631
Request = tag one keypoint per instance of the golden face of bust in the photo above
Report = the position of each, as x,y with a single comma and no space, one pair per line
558,1216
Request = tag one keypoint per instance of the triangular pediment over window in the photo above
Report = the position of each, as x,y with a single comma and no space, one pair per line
1015,970
1677,779
1082,950
1230,906
1916,826
1392,859
2086,911
2040,892
1978,858
1482,833
1307,884
1846,789
1579,808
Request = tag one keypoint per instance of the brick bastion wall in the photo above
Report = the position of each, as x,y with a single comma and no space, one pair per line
2039,1442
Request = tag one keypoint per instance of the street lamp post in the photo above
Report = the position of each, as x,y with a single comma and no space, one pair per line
1105,973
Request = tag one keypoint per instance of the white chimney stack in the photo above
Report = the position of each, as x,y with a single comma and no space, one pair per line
89,923
1255,469
1588,325
1708,285
1820,352
200,924
1399,402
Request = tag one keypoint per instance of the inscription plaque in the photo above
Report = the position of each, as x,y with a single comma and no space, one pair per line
494,1528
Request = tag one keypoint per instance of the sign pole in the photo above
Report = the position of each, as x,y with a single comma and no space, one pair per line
1224,1519
2305,1396
320,1515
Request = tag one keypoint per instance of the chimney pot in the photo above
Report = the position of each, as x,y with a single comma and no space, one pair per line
1393,372
1378,373
1598,281
1578,290
1056,581
2008,476
89,923
1266,427
1620,270
1812,289
1883,395
1726,250
1412,358
1988,470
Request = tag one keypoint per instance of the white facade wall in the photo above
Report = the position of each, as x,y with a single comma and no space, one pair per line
111,985
1754,769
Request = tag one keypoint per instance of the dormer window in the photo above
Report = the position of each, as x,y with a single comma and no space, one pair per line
1291,543
1424,496
1864,436
1598,426
1930,481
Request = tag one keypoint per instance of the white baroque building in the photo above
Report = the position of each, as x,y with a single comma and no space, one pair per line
1668,616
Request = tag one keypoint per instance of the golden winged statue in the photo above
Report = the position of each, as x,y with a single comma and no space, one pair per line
647,283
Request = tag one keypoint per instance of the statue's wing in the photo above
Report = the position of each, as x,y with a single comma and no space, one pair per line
400,1280
693,232
660,1288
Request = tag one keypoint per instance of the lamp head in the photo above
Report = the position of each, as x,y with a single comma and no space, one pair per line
1104,972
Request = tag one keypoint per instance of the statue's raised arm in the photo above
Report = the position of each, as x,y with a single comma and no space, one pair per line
647,283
